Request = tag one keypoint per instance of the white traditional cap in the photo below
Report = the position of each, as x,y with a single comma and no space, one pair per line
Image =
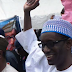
59,26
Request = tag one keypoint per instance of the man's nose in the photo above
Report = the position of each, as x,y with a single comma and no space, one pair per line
46,49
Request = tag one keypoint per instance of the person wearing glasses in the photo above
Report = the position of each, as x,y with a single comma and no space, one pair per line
56,43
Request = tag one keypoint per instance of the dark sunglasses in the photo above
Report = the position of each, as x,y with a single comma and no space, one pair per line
50,44
8,37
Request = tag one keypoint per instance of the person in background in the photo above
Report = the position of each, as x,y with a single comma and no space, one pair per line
58,16
4,67
10,32
22,54
56,43
17,57
10,36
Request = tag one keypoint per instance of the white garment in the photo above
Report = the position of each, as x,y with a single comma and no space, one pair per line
36,60
9,68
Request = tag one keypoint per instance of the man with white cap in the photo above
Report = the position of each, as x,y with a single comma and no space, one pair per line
56,43
3,45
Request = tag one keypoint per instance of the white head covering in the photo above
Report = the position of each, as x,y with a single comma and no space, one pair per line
59,26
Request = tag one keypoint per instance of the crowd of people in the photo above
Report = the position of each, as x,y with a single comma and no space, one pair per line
49,50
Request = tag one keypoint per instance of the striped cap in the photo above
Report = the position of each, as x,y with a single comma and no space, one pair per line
59,26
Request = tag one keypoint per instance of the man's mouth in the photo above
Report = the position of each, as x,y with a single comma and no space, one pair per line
49,57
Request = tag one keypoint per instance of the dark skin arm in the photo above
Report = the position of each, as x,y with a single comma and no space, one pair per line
29,5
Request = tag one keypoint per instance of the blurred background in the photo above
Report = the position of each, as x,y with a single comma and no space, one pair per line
9,8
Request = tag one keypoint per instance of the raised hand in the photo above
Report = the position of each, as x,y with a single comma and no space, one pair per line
30,5
30,1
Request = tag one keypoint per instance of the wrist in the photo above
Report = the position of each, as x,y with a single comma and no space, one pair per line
27,13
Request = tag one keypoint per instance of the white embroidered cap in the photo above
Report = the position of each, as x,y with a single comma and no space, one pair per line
59,26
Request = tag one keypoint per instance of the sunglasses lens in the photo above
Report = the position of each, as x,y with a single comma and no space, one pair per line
50,44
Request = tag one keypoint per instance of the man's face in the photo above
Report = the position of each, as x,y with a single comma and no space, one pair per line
10,36
55,53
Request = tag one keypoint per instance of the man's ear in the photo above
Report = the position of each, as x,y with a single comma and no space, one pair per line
69,43
1,53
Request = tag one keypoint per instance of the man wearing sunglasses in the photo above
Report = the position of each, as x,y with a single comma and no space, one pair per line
56,44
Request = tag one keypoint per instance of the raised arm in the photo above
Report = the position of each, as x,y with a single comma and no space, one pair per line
29,5
27,37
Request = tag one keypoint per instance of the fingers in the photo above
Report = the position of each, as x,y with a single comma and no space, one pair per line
30,5
36,3
30,2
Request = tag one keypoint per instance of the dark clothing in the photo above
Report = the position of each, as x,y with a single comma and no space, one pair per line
15,60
